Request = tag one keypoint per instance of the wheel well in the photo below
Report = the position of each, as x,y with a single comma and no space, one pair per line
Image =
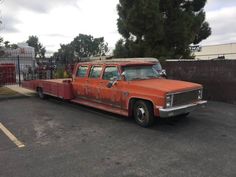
38,88
132,102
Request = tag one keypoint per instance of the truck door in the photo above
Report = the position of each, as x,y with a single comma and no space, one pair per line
80,81
111,96
93,83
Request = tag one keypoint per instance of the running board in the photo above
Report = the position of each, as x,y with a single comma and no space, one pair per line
100,106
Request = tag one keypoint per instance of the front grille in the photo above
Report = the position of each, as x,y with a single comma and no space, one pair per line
185,97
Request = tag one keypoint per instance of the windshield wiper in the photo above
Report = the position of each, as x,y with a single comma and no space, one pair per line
152,77
137,78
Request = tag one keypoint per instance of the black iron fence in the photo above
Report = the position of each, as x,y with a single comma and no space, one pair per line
15,68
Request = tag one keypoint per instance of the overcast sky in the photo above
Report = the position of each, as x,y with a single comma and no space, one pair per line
57,22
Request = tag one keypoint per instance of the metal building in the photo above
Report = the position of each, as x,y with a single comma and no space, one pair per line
220,51
25,53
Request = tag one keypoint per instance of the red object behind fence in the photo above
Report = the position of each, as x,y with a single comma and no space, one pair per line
7,74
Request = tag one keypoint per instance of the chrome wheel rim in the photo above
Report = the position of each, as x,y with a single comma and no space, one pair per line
40,94
141,115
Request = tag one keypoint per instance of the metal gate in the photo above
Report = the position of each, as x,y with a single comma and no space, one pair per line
7,74
14,65
15,69
9,70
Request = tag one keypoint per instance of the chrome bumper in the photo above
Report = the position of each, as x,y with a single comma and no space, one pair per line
178,110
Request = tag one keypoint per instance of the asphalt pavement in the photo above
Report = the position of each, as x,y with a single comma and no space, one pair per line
62,139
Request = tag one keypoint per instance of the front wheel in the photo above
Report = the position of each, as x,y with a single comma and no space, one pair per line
184,115
143,113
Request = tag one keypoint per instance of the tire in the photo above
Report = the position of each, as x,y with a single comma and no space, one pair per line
40,93
184,115
143,113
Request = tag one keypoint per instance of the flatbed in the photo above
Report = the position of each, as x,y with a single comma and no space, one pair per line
61,88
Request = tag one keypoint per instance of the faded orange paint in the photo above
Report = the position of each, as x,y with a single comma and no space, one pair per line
94,92
120,95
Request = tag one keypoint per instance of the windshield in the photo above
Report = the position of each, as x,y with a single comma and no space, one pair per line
140,72
157,67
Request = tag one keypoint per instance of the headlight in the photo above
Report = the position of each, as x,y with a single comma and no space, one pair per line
168,100
199,94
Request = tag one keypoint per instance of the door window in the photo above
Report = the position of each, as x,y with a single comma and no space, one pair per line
95,72
111,72
82,71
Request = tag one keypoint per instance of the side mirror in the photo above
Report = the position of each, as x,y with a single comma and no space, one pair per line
163,73
123,76
112,82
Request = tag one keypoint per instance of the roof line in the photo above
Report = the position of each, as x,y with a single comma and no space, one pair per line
230,43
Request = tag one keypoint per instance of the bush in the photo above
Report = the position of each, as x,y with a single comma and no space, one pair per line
59,74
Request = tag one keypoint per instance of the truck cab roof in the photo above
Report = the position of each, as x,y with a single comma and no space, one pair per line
123,61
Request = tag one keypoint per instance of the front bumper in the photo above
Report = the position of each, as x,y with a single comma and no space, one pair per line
178,110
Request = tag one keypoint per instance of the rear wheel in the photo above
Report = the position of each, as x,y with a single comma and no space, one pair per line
40,93
143,113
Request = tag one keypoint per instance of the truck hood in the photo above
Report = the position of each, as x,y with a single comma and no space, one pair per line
166,85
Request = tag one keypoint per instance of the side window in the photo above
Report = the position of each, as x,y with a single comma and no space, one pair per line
111,72
95,72
82,71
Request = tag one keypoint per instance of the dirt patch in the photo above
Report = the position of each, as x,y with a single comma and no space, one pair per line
4,91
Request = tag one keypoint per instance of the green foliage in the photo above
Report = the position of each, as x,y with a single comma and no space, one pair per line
81,47
8,45
40,51
160,28
1,42
61,73
120,49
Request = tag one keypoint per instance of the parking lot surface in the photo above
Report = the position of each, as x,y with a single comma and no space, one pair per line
68,140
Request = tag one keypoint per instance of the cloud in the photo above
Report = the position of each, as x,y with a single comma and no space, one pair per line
11,10
56,35
222,22
219,4
42,6
9,24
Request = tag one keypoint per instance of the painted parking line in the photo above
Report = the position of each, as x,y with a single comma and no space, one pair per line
18,143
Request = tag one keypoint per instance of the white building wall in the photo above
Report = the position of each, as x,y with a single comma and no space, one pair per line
26,56
23,50
215,51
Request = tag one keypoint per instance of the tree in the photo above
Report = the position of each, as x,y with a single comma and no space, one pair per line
87,46
65,53
82,46
1,42
160,28
120,49
8,45
40,51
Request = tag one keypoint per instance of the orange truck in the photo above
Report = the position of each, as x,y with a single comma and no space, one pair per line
126,87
